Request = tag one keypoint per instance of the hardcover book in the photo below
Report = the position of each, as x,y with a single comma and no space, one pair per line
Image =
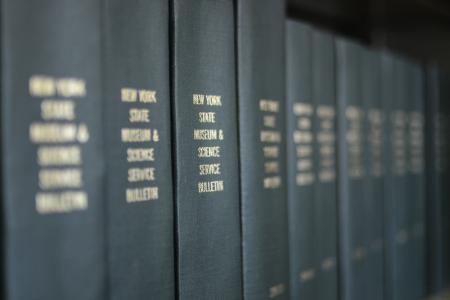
138,150
352,206
261,92
388,97
434,232
300,156
206,150
374,130
52,165
396,207
416,185
325,189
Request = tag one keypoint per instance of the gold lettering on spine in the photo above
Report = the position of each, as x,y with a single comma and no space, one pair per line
208,151
139,115
416,142
59,136
142,194
399,121
375,138
209,156
277,290
56,133
307,275
326,138
45,86
59,155
140,152
209,169
210,186
60,178
128,95
270,138
303,139
141,174
47,203
354,139
147,96
58,110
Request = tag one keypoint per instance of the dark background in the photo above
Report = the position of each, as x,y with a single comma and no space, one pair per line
416,28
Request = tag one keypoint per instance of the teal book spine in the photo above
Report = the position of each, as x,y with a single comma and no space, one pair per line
351,148
396,208
444,167
374,131
52,164
434,230
389,82
137,135
206,150
416,185
300,156
325,143
262,107
399,142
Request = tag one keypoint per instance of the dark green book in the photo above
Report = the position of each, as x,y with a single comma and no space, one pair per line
137,139
325,189
206,148
352,209
387,97
434,231
374,130
261,73
52,150
300,156
396,206
416,179
444,167
443,164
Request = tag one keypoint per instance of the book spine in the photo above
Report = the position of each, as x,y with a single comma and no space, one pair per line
416,185
206,146
434,231
387,98
138,150
400,217
375,171
261,73
301,172
325,189
52,146
410,249
444,167
444,162
352,208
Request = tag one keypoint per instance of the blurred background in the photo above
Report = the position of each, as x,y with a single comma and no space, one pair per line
416,28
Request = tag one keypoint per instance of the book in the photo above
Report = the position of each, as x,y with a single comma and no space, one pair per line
444,164
374,130
416,184
137,134
434,230
206,146
300,156
351,148
261,93
388,83
325,189
52,162
396,206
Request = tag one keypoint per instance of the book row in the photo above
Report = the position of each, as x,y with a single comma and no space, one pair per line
214,149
